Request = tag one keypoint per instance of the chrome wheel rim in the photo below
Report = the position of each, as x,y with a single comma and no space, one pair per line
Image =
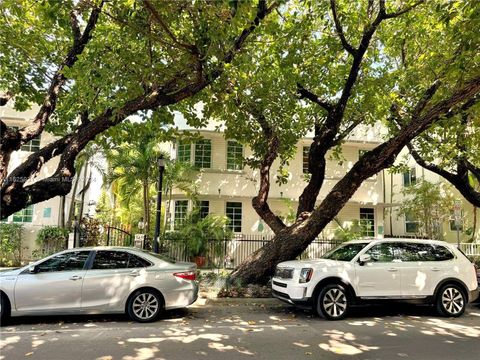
145,306
335,302
452,300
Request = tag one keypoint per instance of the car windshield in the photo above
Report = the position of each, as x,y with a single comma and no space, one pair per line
344,252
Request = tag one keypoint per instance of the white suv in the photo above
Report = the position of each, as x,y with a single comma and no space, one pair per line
365,271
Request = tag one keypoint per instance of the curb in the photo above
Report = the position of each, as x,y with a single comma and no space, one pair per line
241,301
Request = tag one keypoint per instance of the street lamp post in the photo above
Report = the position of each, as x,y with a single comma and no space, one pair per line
161,168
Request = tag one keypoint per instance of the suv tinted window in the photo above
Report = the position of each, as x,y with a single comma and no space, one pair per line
441,253
416,252
74,260
117,260
383,252
424,252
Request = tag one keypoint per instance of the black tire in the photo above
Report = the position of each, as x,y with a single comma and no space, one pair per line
451,301
145,306
333,302
4,310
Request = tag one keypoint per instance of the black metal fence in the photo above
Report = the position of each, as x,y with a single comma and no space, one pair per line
230,253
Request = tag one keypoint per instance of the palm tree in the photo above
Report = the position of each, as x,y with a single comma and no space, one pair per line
134,170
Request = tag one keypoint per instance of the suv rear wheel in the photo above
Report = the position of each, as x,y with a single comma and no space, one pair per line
333,302
451,300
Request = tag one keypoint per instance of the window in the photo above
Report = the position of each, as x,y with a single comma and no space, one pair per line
181,207
234,155
234,213
47,213
204,208
24,215
184,151
409,177
203,154
117,260
345,252
411,223
306,150
70,261
424,252
367,222
32,145
383,252
441,253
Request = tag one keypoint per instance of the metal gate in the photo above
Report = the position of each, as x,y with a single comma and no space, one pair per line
118,237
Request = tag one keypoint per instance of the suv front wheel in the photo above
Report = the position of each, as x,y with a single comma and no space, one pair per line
451,301
333,302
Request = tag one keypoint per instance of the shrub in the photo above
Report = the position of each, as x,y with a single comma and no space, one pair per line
11,244
92,229
51,239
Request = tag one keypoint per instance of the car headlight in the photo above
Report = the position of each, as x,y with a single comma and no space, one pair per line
305,275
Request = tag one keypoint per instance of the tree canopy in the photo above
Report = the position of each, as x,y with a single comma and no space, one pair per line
91,64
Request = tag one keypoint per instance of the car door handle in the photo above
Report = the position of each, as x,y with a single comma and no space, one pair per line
134,273
435,269
392,269
75,277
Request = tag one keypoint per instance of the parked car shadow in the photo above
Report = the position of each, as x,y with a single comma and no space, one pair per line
373,310
86,319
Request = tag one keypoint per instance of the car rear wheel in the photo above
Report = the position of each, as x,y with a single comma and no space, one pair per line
4,309
333,302
145,306
451,301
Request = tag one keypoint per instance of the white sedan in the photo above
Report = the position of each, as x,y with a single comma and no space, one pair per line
98,280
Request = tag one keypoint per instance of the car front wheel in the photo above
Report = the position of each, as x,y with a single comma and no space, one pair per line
333,302
145,306
451,301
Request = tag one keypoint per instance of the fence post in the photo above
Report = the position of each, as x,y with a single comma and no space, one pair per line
108,235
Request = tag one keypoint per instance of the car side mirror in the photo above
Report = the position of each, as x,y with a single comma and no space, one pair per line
363,259
32,269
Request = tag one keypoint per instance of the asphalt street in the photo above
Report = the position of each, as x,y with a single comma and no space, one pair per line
245,330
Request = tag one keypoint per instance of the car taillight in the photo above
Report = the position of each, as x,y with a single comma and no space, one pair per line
187,275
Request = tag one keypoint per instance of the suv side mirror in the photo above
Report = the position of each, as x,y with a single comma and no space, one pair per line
364,258
32,269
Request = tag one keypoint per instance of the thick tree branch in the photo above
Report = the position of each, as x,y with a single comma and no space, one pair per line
426,98
459,180
402,11
260,201
4,98
306,94
338,26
